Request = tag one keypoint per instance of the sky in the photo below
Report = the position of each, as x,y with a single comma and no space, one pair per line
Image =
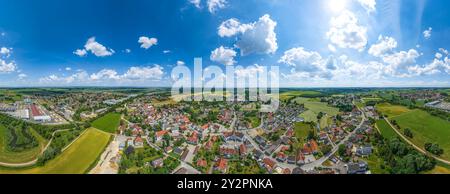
320,43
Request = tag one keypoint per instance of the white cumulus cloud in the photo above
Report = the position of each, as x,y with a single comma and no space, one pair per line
223,56
95,48
384,45
6,67
147,42
427,33
345,32
257,37
214,5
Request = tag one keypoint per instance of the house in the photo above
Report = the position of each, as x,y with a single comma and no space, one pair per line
300,158
286,171
258,155
291,159
233,136
202,163
281,157
357,168
193,139
364,151
122,146
298,170
178,150
222,165
160,134
168,149
227,152
269,164
138,142
311,147
209,145
242,150
158,163
130,142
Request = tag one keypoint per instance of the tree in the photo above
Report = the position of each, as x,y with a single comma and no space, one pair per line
434,149
341,150
326,149
408,133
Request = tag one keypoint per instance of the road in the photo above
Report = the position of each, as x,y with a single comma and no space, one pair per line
413,145
319,162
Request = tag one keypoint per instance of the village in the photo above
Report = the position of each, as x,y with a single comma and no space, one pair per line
220,139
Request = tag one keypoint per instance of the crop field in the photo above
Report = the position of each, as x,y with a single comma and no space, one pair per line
75,160
391,110
108,123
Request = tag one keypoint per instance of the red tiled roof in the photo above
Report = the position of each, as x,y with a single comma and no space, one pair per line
222,164
161,133
269,162
201,163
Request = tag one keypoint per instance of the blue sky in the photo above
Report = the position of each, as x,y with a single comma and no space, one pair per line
324,43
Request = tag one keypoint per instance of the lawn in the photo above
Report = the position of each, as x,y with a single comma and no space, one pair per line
23,156
255,121
374,163
77,159
301,131
108,123
385,129
314,107
391,110
427,128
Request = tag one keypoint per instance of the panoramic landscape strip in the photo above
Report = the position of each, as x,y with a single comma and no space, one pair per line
138,130
225,88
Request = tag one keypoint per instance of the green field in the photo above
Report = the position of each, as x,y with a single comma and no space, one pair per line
391,110
301,131
385,129
108,123
19,157
314,108
427,128
291,94
77,159
374,163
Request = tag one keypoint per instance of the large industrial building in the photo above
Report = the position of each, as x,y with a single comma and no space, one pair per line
37,115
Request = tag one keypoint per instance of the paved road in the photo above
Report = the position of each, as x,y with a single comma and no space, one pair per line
319,162
413,145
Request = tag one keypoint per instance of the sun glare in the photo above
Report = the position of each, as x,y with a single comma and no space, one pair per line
337,5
